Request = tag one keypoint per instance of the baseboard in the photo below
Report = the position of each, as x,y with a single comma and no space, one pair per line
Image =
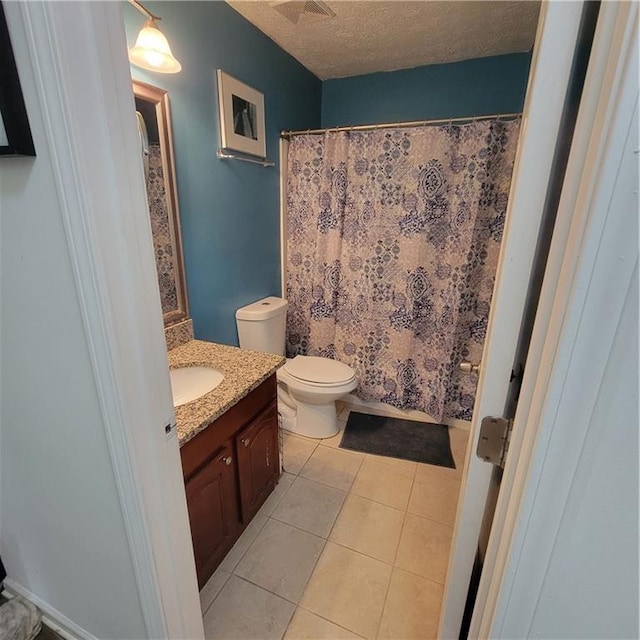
50,616
379,408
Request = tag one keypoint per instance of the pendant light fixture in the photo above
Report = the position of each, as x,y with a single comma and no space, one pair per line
152,51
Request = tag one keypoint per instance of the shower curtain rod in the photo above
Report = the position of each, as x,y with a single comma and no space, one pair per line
393,125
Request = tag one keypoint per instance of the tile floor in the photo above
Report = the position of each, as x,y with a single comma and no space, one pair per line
349,545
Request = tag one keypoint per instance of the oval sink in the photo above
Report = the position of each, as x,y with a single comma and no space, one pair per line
189,383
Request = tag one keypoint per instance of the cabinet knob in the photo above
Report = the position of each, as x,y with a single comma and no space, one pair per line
228,460
246,442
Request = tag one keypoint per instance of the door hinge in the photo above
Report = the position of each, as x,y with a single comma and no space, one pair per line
493,443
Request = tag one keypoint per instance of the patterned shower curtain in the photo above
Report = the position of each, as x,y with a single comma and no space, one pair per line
393,242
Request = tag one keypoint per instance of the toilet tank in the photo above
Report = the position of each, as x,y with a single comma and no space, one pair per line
262,324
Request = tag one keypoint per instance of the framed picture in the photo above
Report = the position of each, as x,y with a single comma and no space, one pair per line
241,116
15,134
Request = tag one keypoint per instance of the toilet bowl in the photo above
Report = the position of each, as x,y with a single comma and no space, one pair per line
308,386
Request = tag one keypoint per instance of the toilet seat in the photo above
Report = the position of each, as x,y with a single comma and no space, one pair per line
320,372
308,388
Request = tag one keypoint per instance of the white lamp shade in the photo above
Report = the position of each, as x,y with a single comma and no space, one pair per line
152,51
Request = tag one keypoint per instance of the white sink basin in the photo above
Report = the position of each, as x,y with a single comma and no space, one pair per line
189,383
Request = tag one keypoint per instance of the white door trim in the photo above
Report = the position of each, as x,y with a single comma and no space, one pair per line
78,52
548,80
607,115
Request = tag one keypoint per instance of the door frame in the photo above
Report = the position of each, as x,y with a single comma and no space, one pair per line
78,52
549,77
608,111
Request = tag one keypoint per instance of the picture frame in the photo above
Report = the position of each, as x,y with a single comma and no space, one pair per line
241,110
15,133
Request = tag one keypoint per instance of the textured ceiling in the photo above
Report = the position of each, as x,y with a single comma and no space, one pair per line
366,36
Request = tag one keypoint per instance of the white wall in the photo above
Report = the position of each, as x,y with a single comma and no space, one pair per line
62,535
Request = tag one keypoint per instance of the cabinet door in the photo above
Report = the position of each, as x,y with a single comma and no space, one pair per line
213,512
258,460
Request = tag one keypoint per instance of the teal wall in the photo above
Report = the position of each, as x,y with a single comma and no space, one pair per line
229,209
468,88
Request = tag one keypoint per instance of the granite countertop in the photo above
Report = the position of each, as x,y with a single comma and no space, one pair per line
243,371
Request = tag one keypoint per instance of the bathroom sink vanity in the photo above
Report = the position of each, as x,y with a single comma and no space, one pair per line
224,397
229,447
229,470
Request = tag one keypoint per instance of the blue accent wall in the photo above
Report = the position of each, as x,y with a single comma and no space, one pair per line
468,88
229,209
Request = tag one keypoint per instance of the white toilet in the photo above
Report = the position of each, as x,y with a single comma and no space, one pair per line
308,386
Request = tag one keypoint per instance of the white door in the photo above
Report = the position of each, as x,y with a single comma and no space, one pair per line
570,483
551,66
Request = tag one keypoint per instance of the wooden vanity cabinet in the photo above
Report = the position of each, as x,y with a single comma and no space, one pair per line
213,510
258,460
230,468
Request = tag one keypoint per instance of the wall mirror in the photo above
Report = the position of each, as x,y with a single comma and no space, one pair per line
156,149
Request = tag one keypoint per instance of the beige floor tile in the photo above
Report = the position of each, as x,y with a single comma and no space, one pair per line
311,506
334,441
433,472
342,410
286,480
383,483
333,467
424,547
292,434
436,499
348,589
308,626
281,559
243,543
212,588
459,440
296,452
407,467
244,611
412,608
369,527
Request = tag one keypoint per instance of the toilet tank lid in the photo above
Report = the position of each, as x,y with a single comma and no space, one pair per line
262,309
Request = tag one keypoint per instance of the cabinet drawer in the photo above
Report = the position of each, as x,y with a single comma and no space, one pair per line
258,460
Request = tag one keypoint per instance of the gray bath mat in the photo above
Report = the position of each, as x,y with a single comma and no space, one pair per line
397,438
